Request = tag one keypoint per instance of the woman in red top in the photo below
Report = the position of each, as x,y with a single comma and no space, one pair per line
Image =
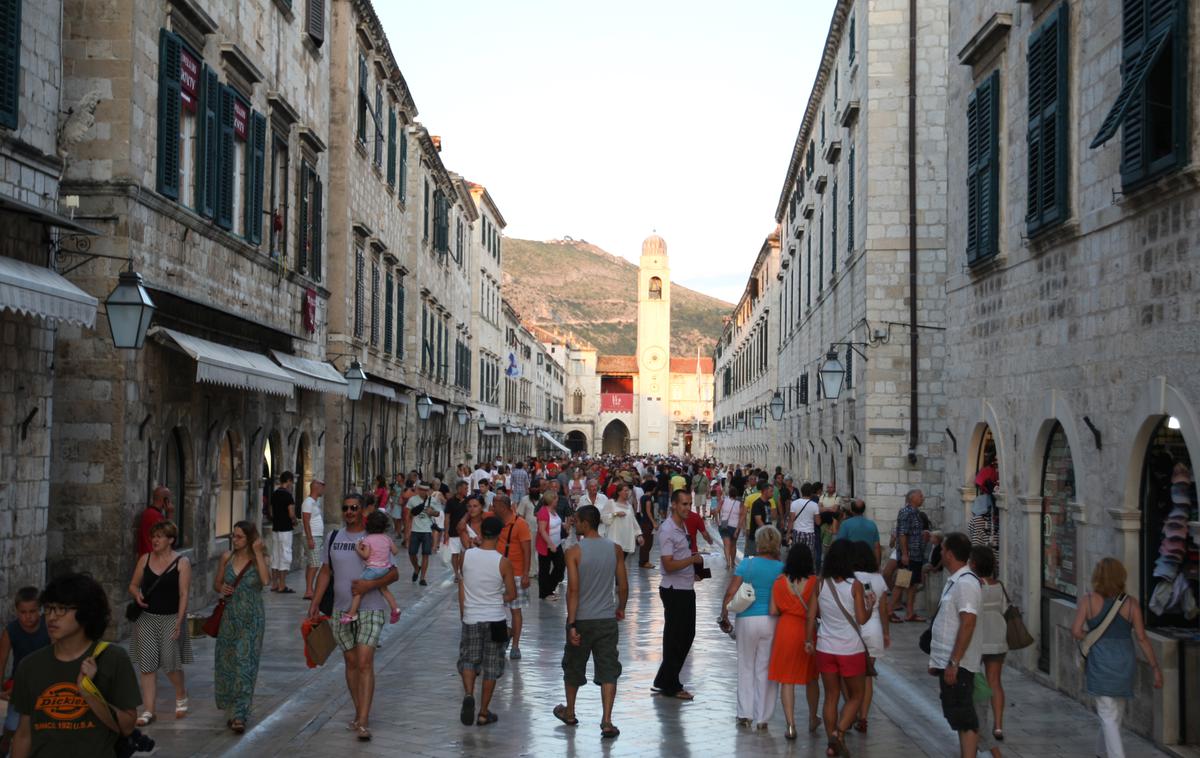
381,493
791,597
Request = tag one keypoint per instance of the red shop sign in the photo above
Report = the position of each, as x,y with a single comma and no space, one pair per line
189,80
308,313
240,116
613,402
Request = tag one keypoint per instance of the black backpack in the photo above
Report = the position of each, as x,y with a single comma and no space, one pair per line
326,604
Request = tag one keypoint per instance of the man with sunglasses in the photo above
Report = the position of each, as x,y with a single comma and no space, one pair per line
160,509
359,639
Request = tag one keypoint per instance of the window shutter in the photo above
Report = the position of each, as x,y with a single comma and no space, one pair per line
973,177
10,63
316,21
1047,134
374,304
403,164
391,148
318,237
400,320
206,142
849,367
168,113
833,245
989,178
225,171
360,275
257,161
804,389
377,117
389,310
850,199
302,226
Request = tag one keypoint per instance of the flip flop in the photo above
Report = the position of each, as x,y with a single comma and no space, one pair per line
467,714
916,619
289,591
146,718
484,720
560,713
894,619
238,726
683,695
608,731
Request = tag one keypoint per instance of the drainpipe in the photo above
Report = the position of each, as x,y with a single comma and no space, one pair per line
913,424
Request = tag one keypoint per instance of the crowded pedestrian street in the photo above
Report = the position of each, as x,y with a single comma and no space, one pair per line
299,711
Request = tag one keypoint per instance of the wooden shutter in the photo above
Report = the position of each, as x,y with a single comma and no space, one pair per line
225,167
804,388
302,225
360,286
169,48
318,236
315,23
389,310
982,169
400,319
10,62
403,164
833,245
850,198
391,148
256,164
207,140
1046,138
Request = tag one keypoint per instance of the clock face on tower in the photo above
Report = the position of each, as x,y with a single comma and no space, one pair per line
654,358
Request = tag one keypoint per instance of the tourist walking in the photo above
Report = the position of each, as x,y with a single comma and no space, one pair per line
954,648
792,599
910,546
617,518
20,637
549,546
755,627
728,515
358,641
1107,622
838,642
519,481
456,510
594,567
77,696
992,630
159,586
420,512
487,584
378,552
283,522
241,576
160,509
515,544
313,520
677,592
700,490
470,524
647,522
859,528
804,519
875,632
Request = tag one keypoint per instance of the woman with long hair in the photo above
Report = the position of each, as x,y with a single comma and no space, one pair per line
728,515
755,630
792,598
551,565
1111,664
876,633
241,576
841,654
617,519
161,579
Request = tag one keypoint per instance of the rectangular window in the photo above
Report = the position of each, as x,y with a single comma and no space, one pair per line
850,40
360,292
425,208
983,169
425,348
400,319
377,115
255,164
808,266
208,157
403,164
308,249
1046,138
1151,109
389,308
364,100
833,245
821,252
241,167
191,83
280,161
10,63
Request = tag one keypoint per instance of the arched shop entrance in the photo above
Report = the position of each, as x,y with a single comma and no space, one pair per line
1060,567
984,524
616,438
577,441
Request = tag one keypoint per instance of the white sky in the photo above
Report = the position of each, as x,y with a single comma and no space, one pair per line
609,120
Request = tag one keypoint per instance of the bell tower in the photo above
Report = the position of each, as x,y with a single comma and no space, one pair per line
654,347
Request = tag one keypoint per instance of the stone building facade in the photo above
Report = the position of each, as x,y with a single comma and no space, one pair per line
488,318
1071,359
863,264
37,303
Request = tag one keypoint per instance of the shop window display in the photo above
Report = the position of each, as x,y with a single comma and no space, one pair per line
1058,527
1169,527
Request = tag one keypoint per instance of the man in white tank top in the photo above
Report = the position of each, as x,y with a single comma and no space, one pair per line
487,584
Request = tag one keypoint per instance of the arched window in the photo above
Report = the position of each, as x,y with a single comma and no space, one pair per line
223,523
655,288
1059,555
577,403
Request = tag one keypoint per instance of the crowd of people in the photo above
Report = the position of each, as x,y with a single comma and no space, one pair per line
813,592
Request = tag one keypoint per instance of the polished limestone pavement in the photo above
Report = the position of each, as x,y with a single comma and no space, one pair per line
299,711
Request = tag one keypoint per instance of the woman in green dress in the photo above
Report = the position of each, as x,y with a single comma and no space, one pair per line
239,642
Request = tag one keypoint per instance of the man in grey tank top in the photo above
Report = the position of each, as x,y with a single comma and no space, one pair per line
594,566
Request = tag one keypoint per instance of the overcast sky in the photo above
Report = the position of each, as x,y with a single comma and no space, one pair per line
609,120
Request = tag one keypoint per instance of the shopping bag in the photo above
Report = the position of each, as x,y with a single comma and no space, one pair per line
903,578
320,643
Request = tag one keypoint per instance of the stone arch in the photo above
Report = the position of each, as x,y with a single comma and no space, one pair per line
616,438
985,419
228,482
577,441
1055,409
176,470
302,464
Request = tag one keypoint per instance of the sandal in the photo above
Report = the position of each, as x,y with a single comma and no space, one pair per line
860,726
363,733
998,735
683,695
145,719
840,744
486,718
560,713
894,619
238,726
916,619
467,714
814,725
608,731
181,707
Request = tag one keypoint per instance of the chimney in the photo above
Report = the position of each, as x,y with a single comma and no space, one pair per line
437,143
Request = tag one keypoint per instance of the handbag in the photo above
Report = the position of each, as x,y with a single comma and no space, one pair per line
1090,639
325,606
903,578
857,629
742,599
133,611
1016,635
926,640
212,625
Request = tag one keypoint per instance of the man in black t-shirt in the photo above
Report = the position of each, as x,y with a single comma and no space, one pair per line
283,521
456,508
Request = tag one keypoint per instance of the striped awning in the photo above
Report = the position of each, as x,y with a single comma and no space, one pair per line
37,291
231,366
317,376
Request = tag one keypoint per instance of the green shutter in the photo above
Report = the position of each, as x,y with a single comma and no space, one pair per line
318,237
983,169
833,245
10,62
207,141
400,320
168,114
850,200
391,148
256,161
302,222
225,163
1046,138
403,164
851,44
389,310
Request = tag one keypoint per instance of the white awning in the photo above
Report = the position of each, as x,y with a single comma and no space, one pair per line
317,376
38,291
554,442
232,367
382,390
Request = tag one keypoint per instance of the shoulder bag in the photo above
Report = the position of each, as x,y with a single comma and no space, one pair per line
212,624
1090,639
133,611
743,598
926,640
326,604
1016,634
853,623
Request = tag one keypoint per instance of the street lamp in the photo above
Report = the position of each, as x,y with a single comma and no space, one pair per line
741,424
777,406
832,372
463,416
482,423
757,420
129,309
424,406
355,379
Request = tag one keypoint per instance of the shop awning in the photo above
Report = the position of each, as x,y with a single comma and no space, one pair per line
317,376
554,442
230,366
43,216
38,291
375,388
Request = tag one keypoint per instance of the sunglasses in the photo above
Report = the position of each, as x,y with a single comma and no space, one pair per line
349,508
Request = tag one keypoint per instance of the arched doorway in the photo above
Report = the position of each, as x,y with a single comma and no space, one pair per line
577,441
616,438
303,471
1168,504
1060,555
272,467
984,524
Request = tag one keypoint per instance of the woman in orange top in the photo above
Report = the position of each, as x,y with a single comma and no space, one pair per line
791,597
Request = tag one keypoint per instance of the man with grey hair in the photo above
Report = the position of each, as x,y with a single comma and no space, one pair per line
515,544
911,547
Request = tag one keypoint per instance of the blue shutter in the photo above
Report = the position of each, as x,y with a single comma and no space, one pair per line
168,114
10,62
225,167
254,176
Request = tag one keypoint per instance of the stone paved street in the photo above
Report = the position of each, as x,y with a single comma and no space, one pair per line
302,711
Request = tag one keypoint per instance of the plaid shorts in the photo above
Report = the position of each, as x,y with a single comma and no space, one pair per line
365,631
477,652
316,556
522,598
